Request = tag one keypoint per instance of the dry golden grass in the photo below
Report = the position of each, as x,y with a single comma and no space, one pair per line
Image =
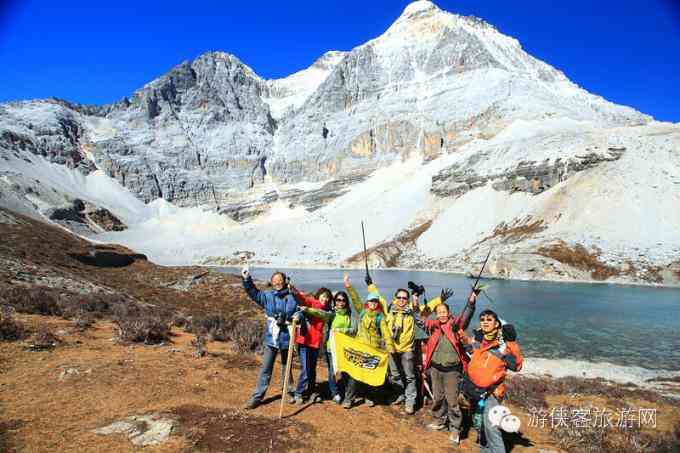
390,251
580,258
40,412
517,231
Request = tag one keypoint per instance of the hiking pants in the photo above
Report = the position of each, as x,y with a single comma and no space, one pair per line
307,378
402,368
445,392
266,371
492,434
354,387
334,386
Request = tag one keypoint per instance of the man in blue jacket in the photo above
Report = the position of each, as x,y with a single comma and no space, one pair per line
279,306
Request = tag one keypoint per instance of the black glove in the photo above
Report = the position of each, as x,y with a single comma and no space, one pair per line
368,279
509,332
510,362
445,294
416,289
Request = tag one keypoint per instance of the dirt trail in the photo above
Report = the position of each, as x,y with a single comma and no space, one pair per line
42,412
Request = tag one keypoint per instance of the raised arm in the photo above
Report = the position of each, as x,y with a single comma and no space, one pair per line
417,308
353,294
429,306
303,298
463,319
318,313
255,294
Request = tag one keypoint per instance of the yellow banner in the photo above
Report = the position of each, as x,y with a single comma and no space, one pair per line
363,362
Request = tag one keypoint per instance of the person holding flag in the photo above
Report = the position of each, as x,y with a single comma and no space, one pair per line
365,358
339,320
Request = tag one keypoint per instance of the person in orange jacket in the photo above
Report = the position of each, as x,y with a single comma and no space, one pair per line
493,350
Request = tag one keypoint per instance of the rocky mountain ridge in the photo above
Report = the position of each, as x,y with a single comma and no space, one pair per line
448,100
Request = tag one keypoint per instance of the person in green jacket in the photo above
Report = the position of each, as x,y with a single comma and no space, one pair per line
338,320
372,330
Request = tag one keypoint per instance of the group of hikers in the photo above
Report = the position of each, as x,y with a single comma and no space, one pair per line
466,371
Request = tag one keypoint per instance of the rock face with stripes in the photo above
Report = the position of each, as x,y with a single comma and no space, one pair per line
211,128
483,119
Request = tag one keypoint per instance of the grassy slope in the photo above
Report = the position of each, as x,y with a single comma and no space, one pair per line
41,412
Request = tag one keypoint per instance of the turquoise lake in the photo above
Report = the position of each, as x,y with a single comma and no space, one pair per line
618,324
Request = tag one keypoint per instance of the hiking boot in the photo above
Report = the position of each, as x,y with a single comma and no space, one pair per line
399,400
454,437
315,398
410,409
436,426
369,403
337,399
299,400
291,399
252,403
347,404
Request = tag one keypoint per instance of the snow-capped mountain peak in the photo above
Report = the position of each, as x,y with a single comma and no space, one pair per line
413,130
418,7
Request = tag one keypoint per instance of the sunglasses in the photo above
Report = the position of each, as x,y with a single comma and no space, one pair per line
340,299
487,319
402,297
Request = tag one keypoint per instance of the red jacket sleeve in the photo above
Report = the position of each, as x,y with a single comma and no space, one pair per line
306,300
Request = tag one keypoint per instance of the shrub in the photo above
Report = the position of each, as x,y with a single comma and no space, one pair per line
83,320
247,335
96,305
215,327
145,329
182,321
50,302
37,301
199,344
44,339
10,328
530,392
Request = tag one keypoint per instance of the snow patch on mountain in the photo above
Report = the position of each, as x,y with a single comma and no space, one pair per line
291,92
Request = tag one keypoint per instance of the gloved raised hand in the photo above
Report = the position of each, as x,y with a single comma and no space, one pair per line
445,294
509,332
245,272
368,279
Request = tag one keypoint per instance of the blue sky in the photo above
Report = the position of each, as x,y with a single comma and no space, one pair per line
627,51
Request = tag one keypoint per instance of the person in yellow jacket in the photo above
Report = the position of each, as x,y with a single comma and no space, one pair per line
402,328
372,330
402,363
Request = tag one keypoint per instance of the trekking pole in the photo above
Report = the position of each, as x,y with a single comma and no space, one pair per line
289,365
474,287
363,234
